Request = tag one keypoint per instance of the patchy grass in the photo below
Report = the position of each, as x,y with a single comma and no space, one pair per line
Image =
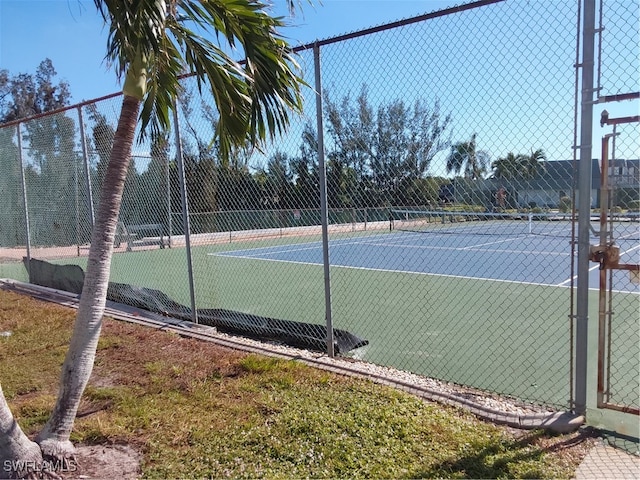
198,410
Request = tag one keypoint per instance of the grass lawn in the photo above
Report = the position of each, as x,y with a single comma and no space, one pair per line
195,409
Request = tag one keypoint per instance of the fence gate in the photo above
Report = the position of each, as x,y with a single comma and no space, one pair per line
617,256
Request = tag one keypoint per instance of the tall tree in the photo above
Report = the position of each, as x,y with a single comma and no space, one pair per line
305,171
517,169
519,166
25,94
151,44
277,184
352,127
508,167
465,156
378,157
533,164
50,142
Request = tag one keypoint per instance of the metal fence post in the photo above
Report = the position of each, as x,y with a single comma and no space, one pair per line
87,169
323,202
584,206
25,204
185,213
167,170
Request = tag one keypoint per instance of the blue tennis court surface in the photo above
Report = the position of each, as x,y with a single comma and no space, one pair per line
522,258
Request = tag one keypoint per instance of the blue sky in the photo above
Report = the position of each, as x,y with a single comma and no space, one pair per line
498,74
71,34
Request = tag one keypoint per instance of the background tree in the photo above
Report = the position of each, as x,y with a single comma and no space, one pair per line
25,94
466,157
518,169
151,44
507,167
277,183
352,128
305,171
49,149
533,164
519,166
381,158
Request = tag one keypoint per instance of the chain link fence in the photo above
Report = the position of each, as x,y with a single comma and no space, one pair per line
449,153
617,96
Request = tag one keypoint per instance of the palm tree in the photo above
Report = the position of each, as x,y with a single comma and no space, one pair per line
465,156
509,167
150,45
533,164
519,168
530,167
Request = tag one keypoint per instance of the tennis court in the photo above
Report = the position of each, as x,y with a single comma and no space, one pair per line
472,303
490,248
484,309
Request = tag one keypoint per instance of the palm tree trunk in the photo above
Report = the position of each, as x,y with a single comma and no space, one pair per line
78,364
18,454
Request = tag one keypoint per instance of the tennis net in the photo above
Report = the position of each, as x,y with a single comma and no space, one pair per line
620,227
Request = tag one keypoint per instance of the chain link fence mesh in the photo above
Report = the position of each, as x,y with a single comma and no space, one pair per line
460,303
619,80
449,146
12,219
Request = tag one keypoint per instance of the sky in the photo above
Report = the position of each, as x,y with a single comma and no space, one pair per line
71,33
498,74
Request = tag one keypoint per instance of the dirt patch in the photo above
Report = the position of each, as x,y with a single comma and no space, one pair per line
105,461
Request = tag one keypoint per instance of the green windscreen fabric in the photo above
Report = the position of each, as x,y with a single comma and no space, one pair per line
70,278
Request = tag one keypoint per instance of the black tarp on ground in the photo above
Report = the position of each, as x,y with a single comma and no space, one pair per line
70,278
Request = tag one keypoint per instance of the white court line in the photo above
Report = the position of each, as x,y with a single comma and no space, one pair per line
243,257
459,248
371,269
315,245
471,247
426,274
475,247
233,253
574,277
294,247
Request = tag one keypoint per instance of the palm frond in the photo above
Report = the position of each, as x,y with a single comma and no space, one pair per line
254,98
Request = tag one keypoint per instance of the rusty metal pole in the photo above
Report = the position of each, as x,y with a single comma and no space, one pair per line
602,291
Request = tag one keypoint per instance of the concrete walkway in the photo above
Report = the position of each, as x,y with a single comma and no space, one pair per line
604,462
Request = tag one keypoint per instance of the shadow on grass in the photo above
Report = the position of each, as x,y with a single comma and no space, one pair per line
504,459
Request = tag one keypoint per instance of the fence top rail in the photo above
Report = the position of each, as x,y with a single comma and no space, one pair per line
84,103
300,48
399,23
